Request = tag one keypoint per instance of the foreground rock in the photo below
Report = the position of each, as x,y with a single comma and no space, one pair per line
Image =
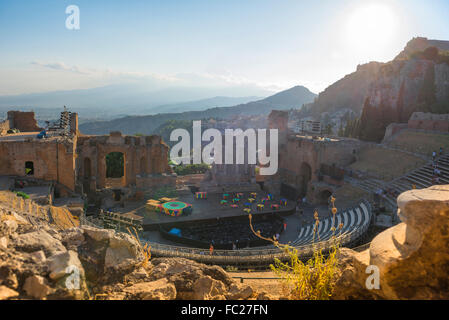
412,257
39,261
154,290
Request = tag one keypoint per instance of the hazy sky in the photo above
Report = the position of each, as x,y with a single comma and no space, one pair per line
270,44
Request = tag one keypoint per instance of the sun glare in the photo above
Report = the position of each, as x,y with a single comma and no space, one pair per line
370,27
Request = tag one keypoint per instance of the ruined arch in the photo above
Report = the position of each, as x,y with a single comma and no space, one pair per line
29,168
323,196
115,165
115,169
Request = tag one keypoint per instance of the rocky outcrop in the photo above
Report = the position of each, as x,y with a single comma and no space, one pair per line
400,84
412,258
38,261
421,44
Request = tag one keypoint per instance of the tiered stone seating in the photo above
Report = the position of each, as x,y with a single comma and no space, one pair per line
421,178
352,219
119,222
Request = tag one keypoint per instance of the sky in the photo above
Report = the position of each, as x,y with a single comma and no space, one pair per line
267,44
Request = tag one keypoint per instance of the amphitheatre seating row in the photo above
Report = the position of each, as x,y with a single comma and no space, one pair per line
352,219
117,221
225,233
421,178
356,222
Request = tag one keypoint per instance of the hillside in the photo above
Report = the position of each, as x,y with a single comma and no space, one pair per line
382,81
347,93
118,100
421,44
198,105
288,99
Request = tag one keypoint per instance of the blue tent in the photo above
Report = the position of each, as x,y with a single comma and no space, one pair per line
175,231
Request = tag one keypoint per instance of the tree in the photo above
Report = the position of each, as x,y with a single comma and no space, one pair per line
431,53
427,93
400,104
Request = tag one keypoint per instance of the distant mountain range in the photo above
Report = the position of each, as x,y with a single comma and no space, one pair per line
202,104
101,114
105,103
293,98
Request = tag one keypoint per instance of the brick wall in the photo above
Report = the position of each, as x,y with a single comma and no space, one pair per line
24,121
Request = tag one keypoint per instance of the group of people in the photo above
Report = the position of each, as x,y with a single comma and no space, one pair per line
436,171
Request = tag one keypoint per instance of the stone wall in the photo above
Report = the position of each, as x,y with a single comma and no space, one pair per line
300,165
145,159
429,121
52,160
24,121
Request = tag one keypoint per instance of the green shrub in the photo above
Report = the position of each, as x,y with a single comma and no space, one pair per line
183,170
22,194
164,192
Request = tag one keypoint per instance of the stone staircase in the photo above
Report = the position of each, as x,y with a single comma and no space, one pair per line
420,177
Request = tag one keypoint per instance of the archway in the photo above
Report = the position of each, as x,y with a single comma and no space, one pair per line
305,174
29,168
323,196
115,169
115,165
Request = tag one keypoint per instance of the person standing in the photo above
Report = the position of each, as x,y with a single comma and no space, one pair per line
211,249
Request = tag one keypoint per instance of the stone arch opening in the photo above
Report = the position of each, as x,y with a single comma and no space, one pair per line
115,165
29,168
115,169
323,196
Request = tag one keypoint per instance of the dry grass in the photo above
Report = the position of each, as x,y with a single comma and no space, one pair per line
63,218
144,249
311,280
346,195
385,164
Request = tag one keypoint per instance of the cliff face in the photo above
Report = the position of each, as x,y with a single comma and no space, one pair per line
421,44
407,85
416,80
